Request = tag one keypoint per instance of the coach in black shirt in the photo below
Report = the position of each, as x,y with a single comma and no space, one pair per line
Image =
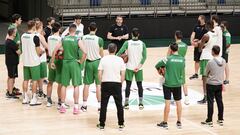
118,33
197,34
12,53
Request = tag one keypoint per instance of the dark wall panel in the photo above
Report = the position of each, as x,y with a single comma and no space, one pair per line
162,27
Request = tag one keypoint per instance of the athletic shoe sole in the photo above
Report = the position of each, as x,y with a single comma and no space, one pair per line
35,104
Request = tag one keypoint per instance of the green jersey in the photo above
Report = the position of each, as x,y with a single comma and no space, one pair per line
182,48
174,65
70,47
17,38
228,38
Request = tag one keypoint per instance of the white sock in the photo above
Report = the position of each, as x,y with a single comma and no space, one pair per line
84,103
25,95
34,96
99,104
75,105
62,104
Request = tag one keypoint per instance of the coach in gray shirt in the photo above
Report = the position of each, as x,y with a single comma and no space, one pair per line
215,77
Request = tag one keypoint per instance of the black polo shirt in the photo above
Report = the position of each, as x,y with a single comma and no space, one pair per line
118,31
11,56
199,30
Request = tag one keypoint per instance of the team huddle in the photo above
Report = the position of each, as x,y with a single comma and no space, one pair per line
72,58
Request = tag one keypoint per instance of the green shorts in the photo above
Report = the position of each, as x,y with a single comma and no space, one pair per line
203,65
91,72
31,73
138,76
71,70
43,70
54,75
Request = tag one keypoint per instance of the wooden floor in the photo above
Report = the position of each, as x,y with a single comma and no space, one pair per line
18,119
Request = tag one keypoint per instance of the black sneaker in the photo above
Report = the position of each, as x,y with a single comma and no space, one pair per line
121,127
226,82
45,82
11,96
100,127
163,125
208,123
84,108
41,94
141,106
220,122
179,125
195,76
16,91
203,101
126,106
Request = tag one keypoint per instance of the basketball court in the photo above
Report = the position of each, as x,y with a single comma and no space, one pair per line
19,119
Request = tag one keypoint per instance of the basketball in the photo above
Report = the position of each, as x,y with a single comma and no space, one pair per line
161,71
59,55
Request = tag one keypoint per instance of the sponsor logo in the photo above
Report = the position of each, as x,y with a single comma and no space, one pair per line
153,98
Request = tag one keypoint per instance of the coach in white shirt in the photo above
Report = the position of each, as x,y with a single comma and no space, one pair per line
111,74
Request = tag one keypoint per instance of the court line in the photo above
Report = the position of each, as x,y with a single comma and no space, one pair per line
200,127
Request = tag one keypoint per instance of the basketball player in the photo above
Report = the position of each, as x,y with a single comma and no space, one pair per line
226,48
174,65
16,22
94,48
31,52
71,66
197,34
182,50
43,58
80,27
137,54
54,74
118,33
12,53
79,33
205,45
215,76
217,29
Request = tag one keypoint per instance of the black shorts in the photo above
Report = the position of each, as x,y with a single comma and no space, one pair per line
225,57
197,54
176,91
12,71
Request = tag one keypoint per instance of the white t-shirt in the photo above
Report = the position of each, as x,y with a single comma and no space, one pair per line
111,66
207,50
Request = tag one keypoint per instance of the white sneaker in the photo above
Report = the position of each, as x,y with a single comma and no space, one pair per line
49,104
34,102
186,101
25,100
